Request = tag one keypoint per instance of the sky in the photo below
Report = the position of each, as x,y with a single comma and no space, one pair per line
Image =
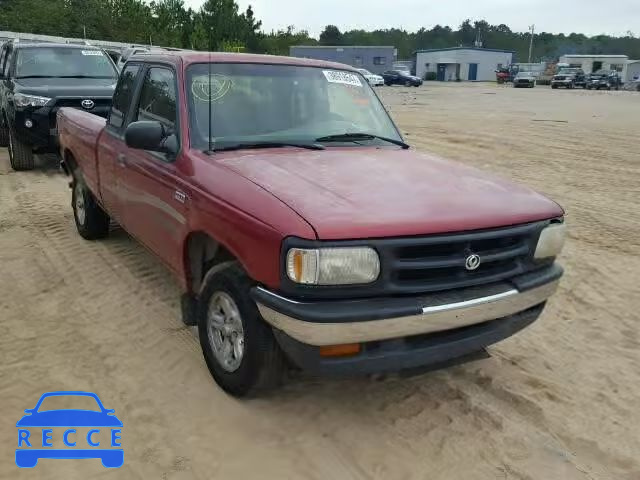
591,17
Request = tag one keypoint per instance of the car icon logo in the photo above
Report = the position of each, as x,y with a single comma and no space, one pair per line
69,433
87,104
472,262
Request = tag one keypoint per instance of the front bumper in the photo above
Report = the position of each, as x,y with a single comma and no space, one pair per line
43,134
471,318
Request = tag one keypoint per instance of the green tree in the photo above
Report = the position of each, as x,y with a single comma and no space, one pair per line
331,35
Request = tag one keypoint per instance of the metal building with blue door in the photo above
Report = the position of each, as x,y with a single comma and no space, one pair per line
463,63
376,59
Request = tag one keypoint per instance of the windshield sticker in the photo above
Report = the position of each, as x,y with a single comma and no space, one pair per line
96,53
220,86
345,78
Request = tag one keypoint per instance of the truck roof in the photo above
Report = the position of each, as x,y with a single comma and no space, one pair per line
190,57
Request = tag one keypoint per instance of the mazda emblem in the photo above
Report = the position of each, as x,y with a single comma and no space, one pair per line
87,104
472,262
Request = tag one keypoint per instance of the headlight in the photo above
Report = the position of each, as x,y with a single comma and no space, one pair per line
333,266
551,241
21,100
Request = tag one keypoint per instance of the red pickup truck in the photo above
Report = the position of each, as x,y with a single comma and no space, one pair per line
302,228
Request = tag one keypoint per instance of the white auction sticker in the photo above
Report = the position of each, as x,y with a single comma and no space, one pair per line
96,53
347,78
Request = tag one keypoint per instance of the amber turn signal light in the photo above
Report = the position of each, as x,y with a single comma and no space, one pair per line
346,350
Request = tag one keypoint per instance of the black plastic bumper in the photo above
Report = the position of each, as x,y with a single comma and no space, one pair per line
423,347
43,134
428,351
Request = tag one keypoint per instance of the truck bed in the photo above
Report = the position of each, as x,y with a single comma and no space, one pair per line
78,135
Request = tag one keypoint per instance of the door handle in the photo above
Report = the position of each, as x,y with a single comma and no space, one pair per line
122,160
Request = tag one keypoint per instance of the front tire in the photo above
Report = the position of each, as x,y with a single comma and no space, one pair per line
238,346
20,154
91,220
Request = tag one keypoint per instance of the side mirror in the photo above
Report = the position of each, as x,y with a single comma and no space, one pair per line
152,136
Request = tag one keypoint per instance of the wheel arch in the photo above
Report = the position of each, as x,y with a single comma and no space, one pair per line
69,163
200,252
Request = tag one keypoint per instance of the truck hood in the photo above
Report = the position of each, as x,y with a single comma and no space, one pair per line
67,87
347,193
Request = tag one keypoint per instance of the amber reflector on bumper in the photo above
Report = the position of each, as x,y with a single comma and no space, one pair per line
340,350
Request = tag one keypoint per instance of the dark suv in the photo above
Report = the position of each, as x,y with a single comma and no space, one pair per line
569,78
36,79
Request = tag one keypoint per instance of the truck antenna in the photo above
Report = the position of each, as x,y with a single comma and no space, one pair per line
211,143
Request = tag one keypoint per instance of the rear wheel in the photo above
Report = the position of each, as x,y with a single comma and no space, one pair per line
238,346
91,220
20,154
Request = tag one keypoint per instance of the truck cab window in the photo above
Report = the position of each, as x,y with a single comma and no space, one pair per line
123,96
158,98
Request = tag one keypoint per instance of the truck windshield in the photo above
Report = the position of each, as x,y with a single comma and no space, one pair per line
63,62
254,103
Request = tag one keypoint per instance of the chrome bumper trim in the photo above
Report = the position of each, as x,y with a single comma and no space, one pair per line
434,318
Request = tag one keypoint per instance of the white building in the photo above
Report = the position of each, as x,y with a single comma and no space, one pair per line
465,63
593,63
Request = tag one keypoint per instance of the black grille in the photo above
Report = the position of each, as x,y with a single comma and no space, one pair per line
439,262
415,265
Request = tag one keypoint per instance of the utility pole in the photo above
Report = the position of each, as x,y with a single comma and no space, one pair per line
532,29
84,30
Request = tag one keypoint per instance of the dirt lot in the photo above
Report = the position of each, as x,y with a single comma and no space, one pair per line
559,400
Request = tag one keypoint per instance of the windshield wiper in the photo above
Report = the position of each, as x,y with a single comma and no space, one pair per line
35,76
63,76
243,146
354,137
83,76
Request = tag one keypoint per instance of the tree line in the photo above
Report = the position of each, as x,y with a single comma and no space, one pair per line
221,25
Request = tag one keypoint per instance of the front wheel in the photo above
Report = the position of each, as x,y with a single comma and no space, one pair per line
238,346
20,154
91,220
408,83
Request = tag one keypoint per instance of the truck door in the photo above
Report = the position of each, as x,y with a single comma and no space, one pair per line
154,194
111,148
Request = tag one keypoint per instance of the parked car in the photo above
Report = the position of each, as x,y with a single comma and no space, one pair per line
299,223
605,80
36,79
373,79
524,79
569,78
506,74
115,54
398,77
633,86
128,53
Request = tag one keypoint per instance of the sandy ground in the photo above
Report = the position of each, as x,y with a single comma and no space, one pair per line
561,400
